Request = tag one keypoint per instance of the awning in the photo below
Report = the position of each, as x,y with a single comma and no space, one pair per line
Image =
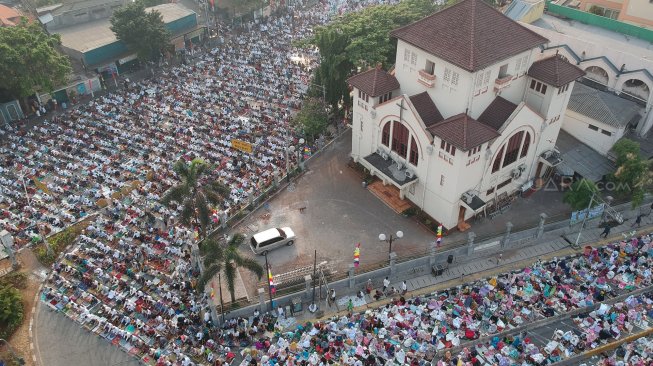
582,159
125,60
388,167
475,204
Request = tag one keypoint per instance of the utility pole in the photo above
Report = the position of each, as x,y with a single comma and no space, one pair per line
582,226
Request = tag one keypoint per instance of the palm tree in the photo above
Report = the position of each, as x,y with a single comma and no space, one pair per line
195,194
218,258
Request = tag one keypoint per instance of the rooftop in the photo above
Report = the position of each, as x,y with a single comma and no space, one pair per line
374,82
463,132
426,108
9,17
496,114
555,70
582,159
91,35
470,34
603,106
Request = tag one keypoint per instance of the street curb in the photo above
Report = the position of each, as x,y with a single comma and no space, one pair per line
32,344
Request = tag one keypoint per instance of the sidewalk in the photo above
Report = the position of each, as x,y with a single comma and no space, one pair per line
482,265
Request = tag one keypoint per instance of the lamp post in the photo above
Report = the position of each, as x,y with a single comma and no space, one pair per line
582,226
389,240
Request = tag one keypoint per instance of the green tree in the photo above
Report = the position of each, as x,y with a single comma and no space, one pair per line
227,258
580,194
142,31
11,310
195,193
313,118
29,60
360,40
150,3
633,176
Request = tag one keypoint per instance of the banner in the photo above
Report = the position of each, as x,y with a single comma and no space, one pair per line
439,235
357,255
578,216
273,289
241,145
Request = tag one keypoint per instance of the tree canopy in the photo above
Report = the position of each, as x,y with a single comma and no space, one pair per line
29,60
580,194
312,119
360,40
633,176
142,31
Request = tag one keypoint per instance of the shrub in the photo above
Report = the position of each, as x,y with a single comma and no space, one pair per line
58,243
11,311
16,279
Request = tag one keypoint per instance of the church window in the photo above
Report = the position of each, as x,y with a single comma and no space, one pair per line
400,139
525,145
497,160
414,154
385,135
513,148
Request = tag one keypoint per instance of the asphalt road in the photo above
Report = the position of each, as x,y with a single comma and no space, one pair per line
61,342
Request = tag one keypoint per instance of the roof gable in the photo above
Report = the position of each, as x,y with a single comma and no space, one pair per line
471,35
426,109
555,70
374,82
496,114
463,131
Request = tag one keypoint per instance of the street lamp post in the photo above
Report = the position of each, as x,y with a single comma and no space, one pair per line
389,240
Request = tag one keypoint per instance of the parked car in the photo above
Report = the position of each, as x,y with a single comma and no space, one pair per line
269,239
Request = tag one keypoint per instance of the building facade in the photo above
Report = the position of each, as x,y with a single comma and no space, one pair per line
637,12
469,115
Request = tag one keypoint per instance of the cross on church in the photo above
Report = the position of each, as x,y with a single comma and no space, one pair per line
401,108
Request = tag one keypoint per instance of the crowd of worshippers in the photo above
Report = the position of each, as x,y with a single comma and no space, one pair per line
247,89
134,285
635,353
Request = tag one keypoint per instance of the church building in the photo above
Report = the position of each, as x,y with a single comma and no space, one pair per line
468,116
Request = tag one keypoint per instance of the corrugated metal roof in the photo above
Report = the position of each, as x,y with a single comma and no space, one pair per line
582,159
602,106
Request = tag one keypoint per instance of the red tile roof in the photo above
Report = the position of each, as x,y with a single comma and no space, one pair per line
9,17
470,34
426,108
463,132
374,82
496,114
555,70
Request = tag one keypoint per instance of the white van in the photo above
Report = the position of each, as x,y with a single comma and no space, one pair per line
269,239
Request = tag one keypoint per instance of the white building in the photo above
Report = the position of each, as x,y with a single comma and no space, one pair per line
471,113
598,118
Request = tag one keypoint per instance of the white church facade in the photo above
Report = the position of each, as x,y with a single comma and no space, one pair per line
469,115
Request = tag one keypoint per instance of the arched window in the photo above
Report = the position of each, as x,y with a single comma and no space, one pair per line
400,139
497,160
512,151
385,136
525,145
414,155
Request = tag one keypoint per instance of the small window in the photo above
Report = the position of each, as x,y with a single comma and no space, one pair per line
430,67
563,88
442,179
503,71
538,86
504,183
413,58
407,55
607,133
442,144
593,128
489,191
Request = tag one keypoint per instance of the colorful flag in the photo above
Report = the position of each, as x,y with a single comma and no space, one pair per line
439,235
273,289
357,255
212,290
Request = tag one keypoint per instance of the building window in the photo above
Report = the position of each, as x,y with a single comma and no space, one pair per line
413,58
525,145
497,160
607,133
563,88
430,67
450,149
504,183
450,79
385,135
406,55
489,191
503,71
592,127
441,179
363,96
512,150
474,151
385,97
400,139
414,155
538,86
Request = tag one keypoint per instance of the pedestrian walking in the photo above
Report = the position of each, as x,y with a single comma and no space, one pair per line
404,288
350,306
332,297
369,286
386,283
499,258
606,231
638,221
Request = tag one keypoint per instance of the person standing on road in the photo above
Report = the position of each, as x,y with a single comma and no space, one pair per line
606,231
369,286
638,221
386,283
404,288
332,297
